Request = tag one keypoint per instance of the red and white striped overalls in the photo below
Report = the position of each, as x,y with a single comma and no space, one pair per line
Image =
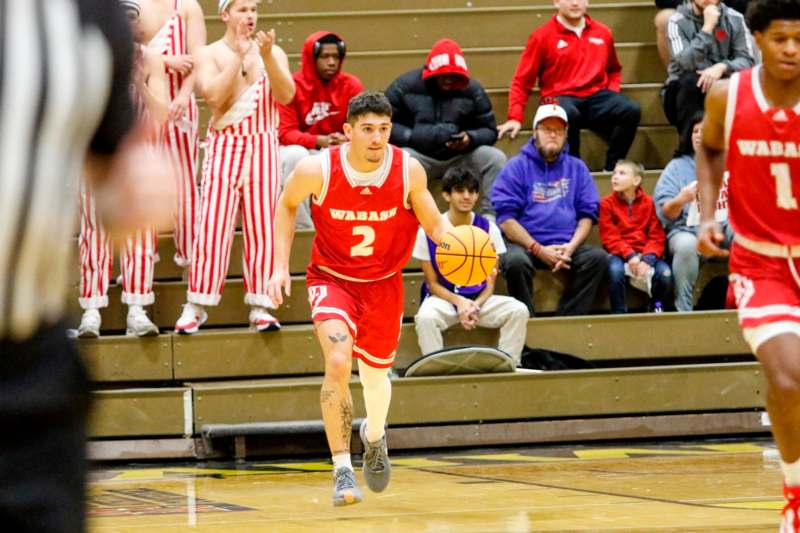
240,171
138,252
181,138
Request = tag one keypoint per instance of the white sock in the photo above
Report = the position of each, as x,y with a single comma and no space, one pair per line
135,308
377,397
791,473
342,460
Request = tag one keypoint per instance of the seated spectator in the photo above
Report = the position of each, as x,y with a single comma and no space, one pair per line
546,203
444,304
634,238
666,8
314,119
576,63
707,41
443,118
677,209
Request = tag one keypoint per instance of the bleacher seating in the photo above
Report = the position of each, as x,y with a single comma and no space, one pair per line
169,386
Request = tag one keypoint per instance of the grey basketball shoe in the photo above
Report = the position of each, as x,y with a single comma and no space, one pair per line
345,488
377,468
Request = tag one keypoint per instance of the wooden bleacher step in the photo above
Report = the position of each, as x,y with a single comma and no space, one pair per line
624,340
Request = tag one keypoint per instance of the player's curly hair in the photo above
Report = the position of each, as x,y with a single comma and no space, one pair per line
368,102
760,13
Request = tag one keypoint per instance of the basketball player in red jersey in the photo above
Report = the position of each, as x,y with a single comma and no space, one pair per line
242,76
176,30
755,117
368,199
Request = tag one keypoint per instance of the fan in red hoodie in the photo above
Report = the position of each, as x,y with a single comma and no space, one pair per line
634,239
314,119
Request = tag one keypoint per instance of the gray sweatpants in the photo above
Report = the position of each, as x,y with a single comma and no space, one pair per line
289,156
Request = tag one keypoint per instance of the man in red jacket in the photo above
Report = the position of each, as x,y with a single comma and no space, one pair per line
314,119
634,239
576,63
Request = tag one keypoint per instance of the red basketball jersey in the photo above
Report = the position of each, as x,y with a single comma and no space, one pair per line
764,163
364,233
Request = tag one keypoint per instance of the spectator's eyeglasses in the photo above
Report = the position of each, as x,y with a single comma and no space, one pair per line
552,131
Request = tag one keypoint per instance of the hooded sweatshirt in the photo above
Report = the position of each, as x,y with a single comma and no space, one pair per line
632,228
547,199
318,108
691,49
425,117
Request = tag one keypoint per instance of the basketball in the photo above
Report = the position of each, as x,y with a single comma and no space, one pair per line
466,256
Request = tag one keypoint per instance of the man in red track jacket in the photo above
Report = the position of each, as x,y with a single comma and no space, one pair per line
573,57
633,236
315,117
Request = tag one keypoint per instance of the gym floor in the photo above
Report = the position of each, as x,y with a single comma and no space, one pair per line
693,486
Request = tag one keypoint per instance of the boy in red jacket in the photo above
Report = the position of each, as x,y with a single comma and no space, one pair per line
634,239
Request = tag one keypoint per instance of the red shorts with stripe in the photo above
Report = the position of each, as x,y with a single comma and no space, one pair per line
373,312
765,290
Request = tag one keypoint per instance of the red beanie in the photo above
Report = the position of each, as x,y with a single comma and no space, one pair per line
446,58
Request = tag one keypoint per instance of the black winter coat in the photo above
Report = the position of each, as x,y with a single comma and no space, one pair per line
425,117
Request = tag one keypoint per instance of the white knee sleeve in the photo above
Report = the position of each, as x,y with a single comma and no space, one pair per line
377,397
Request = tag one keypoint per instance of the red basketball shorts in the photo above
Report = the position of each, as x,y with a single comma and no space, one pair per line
373,312
767,294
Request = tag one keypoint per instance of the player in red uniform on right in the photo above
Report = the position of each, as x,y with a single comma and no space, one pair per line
368,198
752,129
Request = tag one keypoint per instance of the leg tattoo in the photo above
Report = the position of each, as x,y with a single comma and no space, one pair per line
337,337
347,421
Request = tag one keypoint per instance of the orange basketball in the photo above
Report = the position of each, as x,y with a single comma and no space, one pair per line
466,256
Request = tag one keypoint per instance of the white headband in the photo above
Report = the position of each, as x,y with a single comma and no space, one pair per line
223,4
132,5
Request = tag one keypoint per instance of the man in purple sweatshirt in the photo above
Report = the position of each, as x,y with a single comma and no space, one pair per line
546,203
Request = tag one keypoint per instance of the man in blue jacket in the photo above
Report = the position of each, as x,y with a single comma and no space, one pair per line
546,203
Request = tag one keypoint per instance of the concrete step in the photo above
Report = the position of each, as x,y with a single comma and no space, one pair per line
488,397
270,7
232,311
239,353
366,30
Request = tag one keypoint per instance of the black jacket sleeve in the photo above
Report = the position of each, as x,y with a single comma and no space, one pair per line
118,118
483,128
402,120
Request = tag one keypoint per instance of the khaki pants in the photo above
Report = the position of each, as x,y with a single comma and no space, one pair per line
511,316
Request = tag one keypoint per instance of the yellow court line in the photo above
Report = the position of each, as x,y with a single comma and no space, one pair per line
514,457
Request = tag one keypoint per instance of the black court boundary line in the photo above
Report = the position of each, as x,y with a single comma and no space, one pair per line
587,491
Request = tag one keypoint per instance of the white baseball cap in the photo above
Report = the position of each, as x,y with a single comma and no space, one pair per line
549,111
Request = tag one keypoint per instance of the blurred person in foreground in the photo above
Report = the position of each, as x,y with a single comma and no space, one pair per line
72,107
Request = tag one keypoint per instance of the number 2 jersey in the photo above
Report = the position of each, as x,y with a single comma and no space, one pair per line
764,163
365,227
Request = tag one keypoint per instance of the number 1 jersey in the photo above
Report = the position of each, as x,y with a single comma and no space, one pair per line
365,225
764,163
